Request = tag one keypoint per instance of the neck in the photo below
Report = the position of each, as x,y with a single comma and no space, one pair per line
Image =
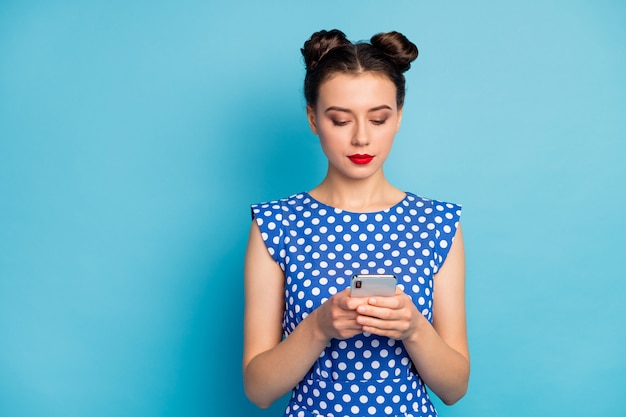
359,195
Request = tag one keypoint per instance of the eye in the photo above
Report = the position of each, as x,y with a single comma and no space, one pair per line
339,123
379,122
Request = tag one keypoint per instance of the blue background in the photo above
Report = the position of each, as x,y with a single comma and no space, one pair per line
134,135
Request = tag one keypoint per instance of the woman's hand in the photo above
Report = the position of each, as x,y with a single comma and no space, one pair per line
395,317
337,317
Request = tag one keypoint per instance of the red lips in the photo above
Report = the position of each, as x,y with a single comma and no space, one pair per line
361,159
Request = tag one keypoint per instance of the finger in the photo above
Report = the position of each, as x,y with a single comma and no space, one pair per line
394,302
342,299
383,327
391,334
375,325
345,327
379,312
353,303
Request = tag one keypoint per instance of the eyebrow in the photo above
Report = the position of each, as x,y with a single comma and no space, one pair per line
344,110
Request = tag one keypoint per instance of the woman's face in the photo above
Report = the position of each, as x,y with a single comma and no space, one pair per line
356,119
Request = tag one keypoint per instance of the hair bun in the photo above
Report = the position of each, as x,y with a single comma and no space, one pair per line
397,47
319,44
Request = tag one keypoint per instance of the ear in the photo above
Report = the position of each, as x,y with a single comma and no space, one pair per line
399,119
310,115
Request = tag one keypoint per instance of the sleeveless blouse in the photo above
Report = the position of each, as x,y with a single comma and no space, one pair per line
320,248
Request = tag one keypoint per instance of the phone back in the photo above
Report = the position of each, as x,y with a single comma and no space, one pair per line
368,285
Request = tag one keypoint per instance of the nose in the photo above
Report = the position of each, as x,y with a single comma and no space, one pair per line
360,135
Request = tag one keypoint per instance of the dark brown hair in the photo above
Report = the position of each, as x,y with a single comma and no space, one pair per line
330,52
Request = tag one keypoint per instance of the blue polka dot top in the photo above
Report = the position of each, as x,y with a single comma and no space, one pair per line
319,248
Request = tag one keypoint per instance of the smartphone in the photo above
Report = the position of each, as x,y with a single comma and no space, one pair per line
368,285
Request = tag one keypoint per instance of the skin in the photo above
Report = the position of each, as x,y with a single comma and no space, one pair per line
355,114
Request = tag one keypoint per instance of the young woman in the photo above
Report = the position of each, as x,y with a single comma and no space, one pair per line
342,355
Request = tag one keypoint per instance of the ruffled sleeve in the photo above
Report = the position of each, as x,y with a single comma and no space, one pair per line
445,217
269,218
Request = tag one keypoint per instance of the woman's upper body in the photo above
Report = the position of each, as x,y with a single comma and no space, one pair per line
355,94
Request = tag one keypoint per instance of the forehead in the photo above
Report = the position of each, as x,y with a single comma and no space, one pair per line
354,90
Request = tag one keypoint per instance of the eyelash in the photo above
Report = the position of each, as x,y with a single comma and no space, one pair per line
375,122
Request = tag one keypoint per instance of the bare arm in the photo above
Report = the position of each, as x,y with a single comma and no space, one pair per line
439,351
272,367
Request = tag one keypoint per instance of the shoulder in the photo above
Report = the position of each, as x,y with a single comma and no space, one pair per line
438,222
293,200
434,208
278,208
273,218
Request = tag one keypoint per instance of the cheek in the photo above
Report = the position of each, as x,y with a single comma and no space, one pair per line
333,138
386,137
329,146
